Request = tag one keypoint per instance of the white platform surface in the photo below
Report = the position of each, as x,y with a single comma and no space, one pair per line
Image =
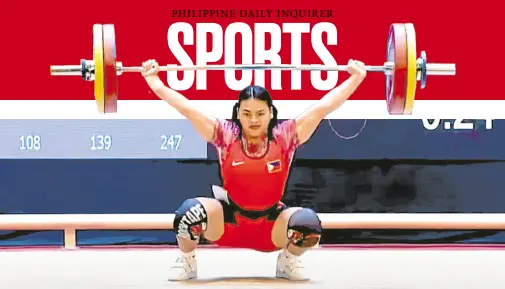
332,269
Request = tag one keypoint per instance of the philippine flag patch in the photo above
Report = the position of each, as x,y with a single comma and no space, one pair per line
274,166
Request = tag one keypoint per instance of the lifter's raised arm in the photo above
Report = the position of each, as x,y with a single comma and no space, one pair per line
308,121
203,123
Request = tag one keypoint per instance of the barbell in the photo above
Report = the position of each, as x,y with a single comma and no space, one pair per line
402,68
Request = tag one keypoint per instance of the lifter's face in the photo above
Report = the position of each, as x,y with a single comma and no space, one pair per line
254,116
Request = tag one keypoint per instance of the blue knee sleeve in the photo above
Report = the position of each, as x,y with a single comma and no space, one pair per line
190,220
304,228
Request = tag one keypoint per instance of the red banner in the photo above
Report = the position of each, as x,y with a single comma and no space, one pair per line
41,33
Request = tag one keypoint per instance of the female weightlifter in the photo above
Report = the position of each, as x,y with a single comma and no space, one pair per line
255,154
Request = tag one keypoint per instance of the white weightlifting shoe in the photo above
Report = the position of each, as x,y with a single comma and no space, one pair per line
290,267
184,268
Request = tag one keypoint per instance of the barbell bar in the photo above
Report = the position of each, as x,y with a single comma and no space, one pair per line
402,69
431,68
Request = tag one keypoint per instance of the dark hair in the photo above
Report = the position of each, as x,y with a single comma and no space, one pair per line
259,93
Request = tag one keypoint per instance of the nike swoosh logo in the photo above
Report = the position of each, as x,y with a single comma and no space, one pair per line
234,163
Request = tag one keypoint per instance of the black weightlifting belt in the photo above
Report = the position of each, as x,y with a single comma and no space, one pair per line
230,209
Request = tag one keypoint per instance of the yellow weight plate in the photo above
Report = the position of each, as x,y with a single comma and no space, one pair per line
411,68
99,71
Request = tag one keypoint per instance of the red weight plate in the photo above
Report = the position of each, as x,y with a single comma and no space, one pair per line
396,80
110,69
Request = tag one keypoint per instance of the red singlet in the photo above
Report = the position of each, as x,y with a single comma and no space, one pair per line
255,183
